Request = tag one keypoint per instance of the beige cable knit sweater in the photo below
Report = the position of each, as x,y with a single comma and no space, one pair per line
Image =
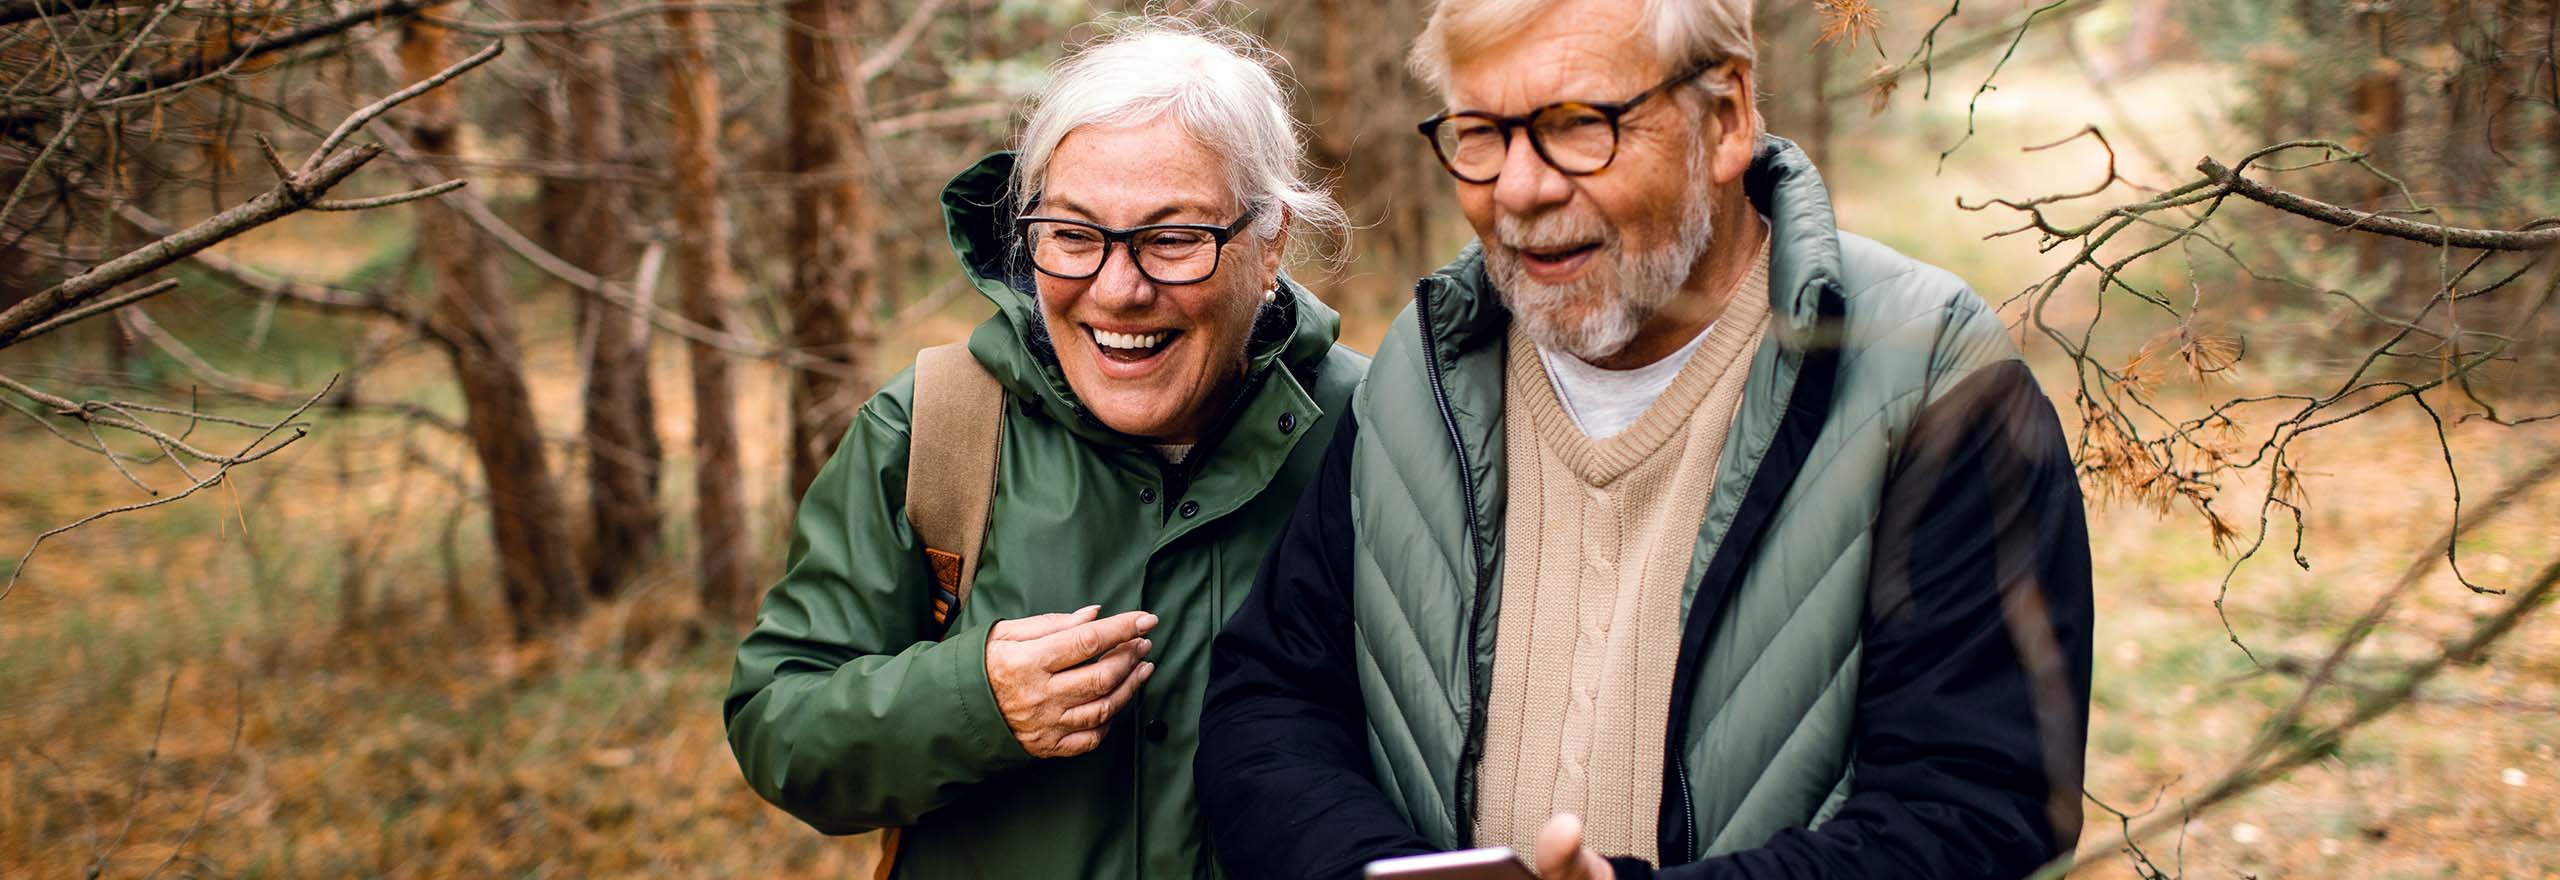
1597,540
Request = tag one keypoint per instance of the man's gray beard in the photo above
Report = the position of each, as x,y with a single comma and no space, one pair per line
1617,302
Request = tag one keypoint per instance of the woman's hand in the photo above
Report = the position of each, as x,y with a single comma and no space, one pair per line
1057,704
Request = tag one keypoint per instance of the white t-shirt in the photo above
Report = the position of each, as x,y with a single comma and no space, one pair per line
1604,402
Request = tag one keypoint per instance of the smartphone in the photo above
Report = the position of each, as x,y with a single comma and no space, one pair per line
1489,863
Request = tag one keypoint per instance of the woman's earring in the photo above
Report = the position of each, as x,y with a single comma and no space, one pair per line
1271,296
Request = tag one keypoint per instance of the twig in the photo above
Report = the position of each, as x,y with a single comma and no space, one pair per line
2350,218
79,108
98,307
881,59
967,114
15,11
239,725
324,169
311,295
426,192
1928,55
141,781
358,119
249,452
527,28
284,198
196,66
138,321
1975,102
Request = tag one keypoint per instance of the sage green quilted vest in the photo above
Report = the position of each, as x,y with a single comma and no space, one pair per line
1767,743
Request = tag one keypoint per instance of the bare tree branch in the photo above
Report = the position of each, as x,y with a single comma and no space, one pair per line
879,60
2530,239
326,167
1929,54
98,412
302,293
285,198
618,16
356,121
966,114
99,307
424,192
138,321
389,11
15,11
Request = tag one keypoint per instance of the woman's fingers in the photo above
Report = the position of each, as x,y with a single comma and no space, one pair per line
1093,680
1076,743
1023,629
1076,644
1094,715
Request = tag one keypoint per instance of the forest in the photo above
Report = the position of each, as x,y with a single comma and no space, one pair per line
406,400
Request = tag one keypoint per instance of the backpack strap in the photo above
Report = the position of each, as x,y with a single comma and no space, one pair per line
955,427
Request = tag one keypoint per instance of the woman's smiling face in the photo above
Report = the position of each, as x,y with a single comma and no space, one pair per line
1147,359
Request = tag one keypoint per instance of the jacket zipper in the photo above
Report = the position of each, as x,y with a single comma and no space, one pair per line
1688,810
1469,752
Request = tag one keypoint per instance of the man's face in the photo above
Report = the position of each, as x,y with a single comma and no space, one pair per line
1585,261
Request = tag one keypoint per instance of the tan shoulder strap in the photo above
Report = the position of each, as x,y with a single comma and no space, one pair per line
955,427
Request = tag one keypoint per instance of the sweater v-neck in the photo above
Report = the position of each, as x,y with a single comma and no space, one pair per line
1599,461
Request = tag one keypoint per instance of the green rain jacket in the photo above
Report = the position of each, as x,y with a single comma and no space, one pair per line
845,711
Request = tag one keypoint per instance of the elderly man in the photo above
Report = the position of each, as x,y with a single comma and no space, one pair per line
1672,524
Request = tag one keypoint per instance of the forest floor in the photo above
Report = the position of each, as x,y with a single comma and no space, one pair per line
412,739
192,687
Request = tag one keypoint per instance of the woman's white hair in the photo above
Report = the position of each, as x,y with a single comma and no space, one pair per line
1217,83
1678,32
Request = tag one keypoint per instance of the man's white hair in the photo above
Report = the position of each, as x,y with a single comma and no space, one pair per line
1213,80
1679,33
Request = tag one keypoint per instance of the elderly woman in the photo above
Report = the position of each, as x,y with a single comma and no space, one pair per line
1166,394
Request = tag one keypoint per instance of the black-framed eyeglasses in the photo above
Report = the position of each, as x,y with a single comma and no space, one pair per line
1575,137
1166,253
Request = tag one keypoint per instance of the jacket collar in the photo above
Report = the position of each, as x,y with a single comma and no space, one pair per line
977,211
1804,258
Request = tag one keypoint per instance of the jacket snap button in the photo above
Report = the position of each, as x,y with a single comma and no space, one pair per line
1147,495
1190,509
1288,422
1157,730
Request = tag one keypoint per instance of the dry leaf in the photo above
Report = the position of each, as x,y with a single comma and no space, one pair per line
1847,22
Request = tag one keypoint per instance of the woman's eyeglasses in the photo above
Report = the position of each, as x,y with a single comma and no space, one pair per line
1166,253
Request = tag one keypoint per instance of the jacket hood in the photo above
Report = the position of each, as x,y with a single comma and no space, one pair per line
978,212
1804,256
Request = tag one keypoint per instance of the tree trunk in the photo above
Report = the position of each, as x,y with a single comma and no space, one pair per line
1818,103
2463,167
2550,79
1363,131
585,220
2380,114
702,272
2144,40
537,574
832,251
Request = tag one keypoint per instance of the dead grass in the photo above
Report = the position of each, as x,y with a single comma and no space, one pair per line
409,740
2458,785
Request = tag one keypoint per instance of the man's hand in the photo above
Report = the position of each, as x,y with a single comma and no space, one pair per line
1561,855
1056,703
